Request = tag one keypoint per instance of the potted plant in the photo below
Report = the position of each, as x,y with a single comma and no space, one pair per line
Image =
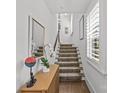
45,64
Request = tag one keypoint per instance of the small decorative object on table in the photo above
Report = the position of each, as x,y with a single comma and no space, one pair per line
30,62
45,63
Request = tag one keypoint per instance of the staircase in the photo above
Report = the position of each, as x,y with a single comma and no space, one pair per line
69,61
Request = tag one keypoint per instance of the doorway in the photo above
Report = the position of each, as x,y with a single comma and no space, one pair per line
64,23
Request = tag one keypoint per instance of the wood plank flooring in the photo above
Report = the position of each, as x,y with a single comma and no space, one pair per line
73,87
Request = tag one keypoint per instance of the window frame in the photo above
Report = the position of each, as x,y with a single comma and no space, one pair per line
93,34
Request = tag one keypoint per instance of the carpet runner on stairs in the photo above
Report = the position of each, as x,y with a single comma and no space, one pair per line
69,62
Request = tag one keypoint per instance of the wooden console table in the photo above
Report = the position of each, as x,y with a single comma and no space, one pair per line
46,82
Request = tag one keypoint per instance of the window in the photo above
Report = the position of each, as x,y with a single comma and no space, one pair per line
92,29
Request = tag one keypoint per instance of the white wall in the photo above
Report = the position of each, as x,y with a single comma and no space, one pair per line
95,73
65,22
38,10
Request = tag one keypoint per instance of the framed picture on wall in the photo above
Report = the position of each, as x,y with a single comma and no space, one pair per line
81,27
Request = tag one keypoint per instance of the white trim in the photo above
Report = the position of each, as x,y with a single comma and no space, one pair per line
96,68
90,86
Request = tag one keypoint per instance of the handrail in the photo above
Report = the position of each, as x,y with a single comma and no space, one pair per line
57,39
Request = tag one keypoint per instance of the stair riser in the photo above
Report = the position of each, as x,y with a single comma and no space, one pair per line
69,70
70,78
69,65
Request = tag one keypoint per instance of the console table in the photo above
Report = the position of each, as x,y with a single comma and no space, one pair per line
47,82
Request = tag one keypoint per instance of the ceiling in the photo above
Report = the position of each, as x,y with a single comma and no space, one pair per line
67,6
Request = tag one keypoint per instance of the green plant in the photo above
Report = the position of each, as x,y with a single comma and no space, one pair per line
45,62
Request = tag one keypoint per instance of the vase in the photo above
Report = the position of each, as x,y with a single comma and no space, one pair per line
45,69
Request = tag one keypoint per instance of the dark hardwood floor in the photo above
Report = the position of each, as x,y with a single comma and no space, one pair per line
73,87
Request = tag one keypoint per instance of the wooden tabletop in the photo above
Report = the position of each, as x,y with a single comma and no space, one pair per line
44,80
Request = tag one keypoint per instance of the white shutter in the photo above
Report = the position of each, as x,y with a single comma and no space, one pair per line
92,27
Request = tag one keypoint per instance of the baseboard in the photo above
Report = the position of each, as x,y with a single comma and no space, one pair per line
90,86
